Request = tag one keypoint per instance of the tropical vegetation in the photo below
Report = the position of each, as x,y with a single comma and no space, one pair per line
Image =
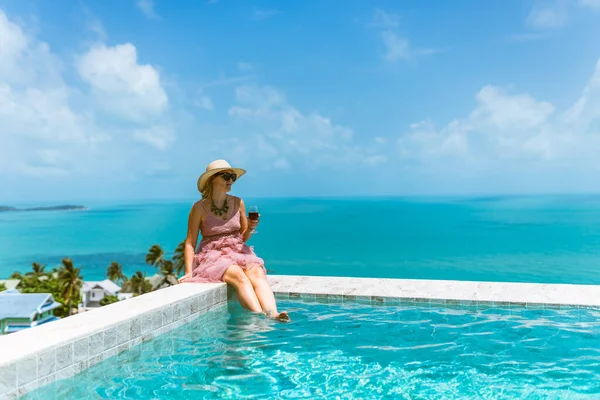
106,300
65,281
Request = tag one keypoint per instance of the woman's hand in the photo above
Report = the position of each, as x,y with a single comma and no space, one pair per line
186,276
253,223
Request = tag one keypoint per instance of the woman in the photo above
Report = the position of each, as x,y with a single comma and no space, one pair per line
223,255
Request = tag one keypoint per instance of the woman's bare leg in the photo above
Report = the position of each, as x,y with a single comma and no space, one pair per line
264,293
236,277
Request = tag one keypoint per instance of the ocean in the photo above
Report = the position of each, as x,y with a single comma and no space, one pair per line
551,239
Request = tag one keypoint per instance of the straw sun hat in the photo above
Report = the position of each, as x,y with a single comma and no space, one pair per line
215,167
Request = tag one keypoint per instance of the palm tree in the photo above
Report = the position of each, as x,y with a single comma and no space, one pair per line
155,256
138,283
126,286
179,258
70,282
114,272
32,279
168,272
16,275
38,269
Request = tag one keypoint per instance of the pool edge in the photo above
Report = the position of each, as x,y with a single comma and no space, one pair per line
390,291
41,355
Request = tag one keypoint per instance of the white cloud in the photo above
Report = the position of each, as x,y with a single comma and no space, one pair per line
285,133
40,171
264,14
159,170
51,128
396,48
147,8
34,99
298,131
281,163
96,26
244,66
25,61
385,20
375,160
512,132
13,44
509,112
159,137
527,37
93,24
120,84
587,108
592,4
423,142
42,114
549,15
545,17
205,103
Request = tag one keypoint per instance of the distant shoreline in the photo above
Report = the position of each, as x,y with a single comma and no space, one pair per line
65,207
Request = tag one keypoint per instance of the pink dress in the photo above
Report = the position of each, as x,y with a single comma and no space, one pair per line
221,247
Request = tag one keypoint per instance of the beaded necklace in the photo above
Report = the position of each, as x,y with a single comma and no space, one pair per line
221,212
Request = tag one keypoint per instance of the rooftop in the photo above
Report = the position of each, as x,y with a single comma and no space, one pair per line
108,286
25,305
10,283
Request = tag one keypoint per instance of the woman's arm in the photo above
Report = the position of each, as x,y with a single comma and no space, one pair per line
194,220
245,230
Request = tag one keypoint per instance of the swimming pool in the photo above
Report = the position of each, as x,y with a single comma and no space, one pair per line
358,350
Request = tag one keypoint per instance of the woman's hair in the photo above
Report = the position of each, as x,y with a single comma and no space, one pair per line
208,188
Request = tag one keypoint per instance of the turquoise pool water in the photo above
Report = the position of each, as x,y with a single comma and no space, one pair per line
358,351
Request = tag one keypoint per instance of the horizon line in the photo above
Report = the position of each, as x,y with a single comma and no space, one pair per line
59,202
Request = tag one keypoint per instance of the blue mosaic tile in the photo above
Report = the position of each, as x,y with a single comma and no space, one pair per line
363,299
335,298
307,296
393,301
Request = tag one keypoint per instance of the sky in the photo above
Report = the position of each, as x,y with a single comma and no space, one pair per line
131,99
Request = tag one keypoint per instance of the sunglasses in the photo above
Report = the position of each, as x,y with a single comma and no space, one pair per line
227,176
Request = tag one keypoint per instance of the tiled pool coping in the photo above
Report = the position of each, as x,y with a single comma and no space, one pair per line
63,348
60,349
392,290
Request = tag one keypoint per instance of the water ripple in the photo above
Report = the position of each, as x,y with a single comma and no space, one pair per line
357,351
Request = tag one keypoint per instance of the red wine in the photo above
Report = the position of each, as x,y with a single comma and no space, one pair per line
253,216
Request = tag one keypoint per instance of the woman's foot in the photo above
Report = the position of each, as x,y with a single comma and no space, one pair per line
282,316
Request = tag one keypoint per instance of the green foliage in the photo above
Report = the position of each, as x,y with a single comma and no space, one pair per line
49,284
179,258
108,300
2,287
16,275
65,281
138,284
155,256
37,270
168,272
114,272
70,282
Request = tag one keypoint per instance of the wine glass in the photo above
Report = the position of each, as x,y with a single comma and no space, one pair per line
253,216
